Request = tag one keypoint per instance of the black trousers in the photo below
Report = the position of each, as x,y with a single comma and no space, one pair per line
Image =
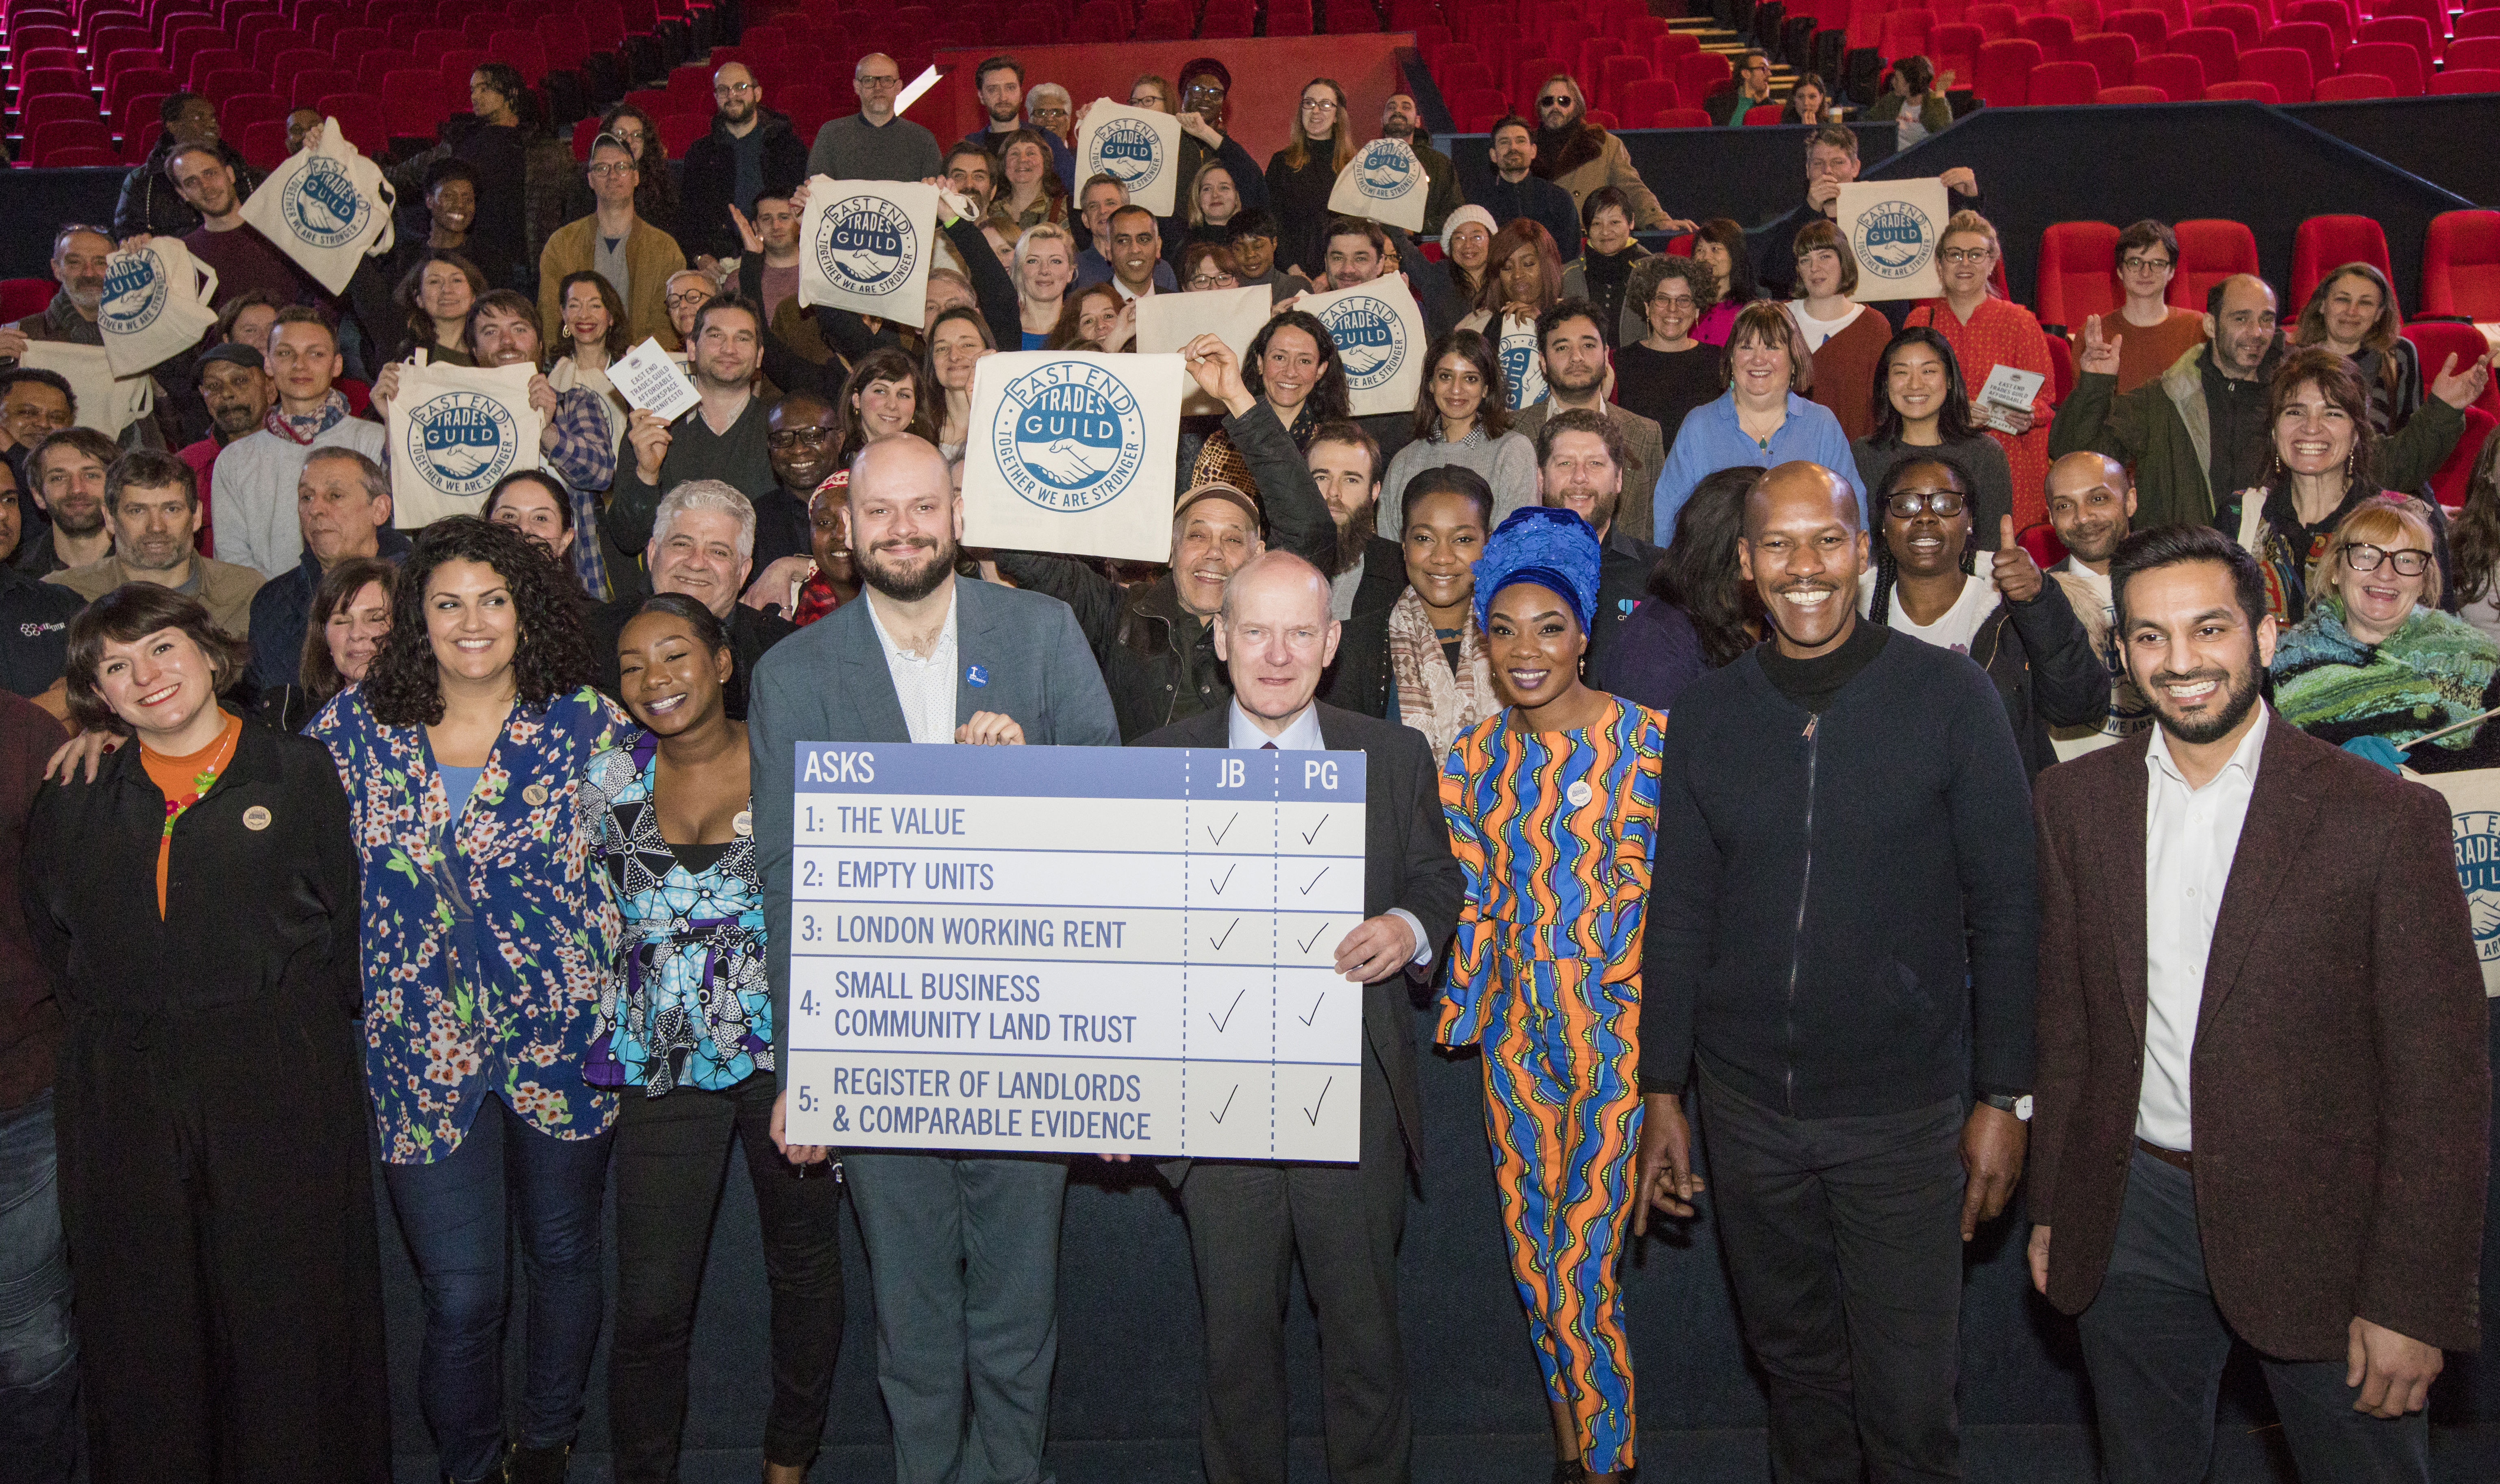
671,1156
1246,1221
1844,1238
2155,1344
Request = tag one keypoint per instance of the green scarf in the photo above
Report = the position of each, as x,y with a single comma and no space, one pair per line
2432,672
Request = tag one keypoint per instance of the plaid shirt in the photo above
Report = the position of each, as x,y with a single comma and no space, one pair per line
586,461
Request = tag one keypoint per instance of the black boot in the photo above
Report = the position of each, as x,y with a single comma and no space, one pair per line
537,1465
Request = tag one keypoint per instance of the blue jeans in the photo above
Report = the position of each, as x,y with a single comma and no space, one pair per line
453,1213
39,1415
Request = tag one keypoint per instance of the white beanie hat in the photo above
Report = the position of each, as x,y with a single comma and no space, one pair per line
1460,219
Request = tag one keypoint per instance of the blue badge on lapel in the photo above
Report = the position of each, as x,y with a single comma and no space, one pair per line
974,675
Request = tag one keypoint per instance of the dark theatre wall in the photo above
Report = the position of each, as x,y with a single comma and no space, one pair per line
1125,1405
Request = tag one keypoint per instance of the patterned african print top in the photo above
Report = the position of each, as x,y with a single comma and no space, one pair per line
486,939
1556,832
687,1002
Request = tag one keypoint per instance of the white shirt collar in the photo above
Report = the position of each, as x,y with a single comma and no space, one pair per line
1303,736
2244,758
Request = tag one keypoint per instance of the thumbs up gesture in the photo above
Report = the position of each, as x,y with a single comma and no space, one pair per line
2101,356
2016,575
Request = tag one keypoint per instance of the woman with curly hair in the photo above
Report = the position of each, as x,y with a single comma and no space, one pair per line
686,1035
1699,614
488,931
214,1178
1667,372
1294,370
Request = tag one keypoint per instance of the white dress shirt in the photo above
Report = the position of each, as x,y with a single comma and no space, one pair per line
2189,837
1303,736
925,685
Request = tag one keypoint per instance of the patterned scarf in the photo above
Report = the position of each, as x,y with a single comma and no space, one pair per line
2432,672
305,427
1431,699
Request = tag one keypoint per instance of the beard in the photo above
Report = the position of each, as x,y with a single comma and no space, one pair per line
2240,692
1352,536
906,585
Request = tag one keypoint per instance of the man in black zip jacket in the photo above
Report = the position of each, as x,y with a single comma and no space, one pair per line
1844,899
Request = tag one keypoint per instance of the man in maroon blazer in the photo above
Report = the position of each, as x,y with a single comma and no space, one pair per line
2263,1090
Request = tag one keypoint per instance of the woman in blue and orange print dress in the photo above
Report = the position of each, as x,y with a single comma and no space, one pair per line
1553,811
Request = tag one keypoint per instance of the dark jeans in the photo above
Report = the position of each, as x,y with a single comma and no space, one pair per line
1246,1222
671,1156
2155,1344
453,1213
1844,1238
38,1413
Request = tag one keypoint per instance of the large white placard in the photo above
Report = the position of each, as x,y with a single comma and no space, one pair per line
866,246
106,403
1076,949
155,305
1380,335
1893,227
1139,147
1384,181
454,430
327,206
1167,322
2474,810
1072,452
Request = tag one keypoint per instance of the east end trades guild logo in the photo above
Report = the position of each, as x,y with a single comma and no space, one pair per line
1895,239
1370,339
1129,150
320,204
1385,171
2477,834
135,292
867,246
462,441
1068,436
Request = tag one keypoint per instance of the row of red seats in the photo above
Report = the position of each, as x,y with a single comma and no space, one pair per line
2460,264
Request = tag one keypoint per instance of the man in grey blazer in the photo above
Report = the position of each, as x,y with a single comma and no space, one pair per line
1573,350
1247,1217
929,656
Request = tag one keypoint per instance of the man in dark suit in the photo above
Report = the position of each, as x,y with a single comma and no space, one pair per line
2263,1082
929,656
1246,1218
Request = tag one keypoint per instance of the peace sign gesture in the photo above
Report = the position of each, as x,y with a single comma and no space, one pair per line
2100,355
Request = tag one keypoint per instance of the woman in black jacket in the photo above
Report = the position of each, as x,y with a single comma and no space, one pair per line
2014,622
214,1180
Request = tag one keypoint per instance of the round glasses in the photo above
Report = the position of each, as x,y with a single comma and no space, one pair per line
1910,504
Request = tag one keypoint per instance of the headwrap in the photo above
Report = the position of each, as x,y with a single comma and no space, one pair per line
1552,548
1209,65
1465,215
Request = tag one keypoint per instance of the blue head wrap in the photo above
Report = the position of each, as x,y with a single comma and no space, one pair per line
1552,548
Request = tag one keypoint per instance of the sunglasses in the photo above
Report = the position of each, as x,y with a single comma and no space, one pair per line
1557,100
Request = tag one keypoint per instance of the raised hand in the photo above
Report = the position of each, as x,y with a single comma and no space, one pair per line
2100,352
650,439
2459,388
2014,573
1217,371
747,236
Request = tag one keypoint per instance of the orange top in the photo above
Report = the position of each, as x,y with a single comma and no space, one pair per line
183,781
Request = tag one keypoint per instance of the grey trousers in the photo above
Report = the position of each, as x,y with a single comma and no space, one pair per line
962,1258
2155,1344
1246,1222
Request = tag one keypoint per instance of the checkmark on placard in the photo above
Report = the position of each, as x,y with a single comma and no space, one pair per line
1217,1114
1314,937
1228,1013
1212,884
1217,835
1315,1009
1315,880
1312,1113
1315,829
1218,943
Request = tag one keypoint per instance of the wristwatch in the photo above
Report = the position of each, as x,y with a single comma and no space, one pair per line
2006,1102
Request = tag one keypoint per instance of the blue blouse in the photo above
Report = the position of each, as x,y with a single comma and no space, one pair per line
1711,440
487,935
687,1001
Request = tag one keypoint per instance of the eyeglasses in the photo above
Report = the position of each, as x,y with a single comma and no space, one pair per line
691,299
1052,111
1910,504
1959,256
2144,265
881,79
1557,100
732,89
1318,106
792,437
2361,557
611,167
1213,281
1674,302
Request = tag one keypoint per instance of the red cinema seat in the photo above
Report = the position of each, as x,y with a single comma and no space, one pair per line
2475,52
2040,542
2063,85
2455,476
2242,22
1905,33
1648,98
1763,113
2181,79
2324,243
2403,31
1617,74
1701,74
2437,339
2112,54
48,140
2285,67
75,156
2061,366
2462,82
1953,48
2004,77
2086,15
1667,118
2243,91
1995,20
309,87
2308,37
2055,35
263,144
2460,270
55,107
2401,65
2351,87
2150,28
2476,22
21,297
2078,273
361,118
2216,50
2210,250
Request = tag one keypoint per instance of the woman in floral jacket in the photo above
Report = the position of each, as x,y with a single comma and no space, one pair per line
487,932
